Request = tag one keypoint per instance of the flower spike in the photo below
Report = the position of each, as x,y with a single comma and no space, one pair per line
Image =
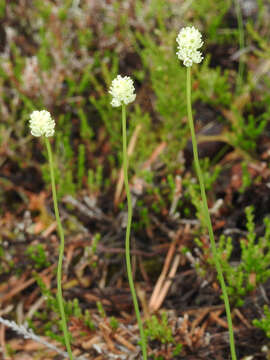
189,41
41,123
122,91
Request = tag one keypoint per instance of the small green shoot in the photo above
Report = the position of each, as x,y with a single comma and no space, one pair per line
264,323
114,323
101,310
38,255
159,329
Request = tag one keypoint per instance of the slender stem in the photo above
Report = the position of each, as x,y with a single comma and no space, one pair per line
207,216
128,262
61,253
241,41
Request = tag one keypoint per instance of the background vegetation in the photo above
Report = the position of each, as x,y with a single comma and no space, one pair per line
62,56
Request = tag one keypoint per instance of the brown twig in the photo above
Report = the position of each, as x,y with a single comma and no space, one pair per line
162,277
164,281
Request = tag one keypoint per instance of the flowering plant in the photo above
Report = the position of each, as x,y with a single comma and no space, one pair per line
122,90
42,124
189,41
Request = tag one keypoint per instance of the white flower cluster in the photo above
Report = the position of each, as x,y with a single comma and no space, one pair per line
122,91
41,123
189,41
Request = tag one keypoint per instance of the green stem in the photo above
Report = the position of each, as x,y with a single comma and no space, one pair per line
129,271
61,253
207,216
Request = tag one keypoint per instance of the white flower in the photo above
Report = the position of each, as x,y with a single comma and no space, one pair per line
122,91
41,123
189,41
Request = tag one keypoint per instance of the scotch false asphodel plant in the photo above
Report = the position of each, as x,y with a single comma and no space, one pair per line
123,93
189,42
42,125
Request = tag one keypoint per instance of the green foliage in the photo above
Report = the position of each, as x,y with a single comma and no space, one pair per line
2,8
210,174
192,188
262,45
2,252
43,8
114,323
146,139
101,310
177,350
246,178
10,351
246,130
171,183
109,115
159,329
43,55
81,165
72,309
38,255
214,84
168,84
95,179
143,212
86,131
18,62
264,323
76,64
253,267
89,251
44,316
212,17
88,320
